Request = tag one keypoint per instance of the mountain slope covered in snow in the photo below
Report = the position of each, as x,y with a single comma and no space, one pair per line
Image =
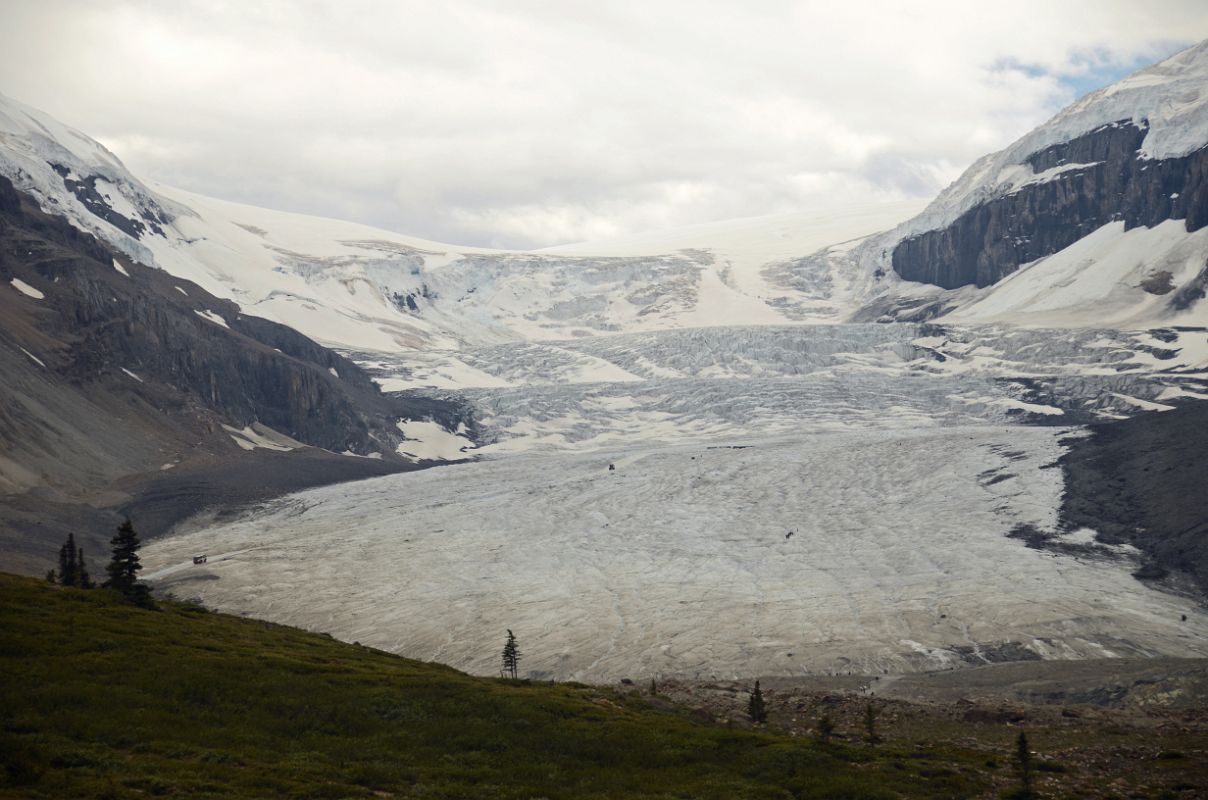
1095,218
128,390
365,289
1103,207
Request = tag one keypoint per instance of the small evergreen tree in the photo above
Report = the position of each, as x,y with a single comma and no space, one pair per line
756,709
51,577
1023,761
871,712
654,689
511,656
124,566
67,562
83,579
826,728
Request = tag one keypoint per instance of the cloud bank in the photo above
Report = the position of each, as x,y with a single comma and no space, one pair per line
529,124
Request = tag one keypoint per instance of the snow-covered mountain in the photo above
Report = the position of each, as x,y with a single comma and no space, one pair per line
1095,218
366,289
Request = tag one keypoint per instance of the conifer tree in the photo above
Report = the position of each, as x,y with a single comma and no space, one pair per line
871,712
1023,760
511,656
83,579
67,562
756,709
826,728
124,566
51,577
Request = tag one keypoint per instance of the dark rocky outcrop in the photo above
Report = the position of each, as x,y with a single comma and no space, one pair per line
118,384
1142,481
10,200
992,240
85,191
252,371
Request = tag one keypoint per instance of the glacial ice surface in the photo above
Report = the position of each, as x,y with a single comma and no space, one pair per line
680,560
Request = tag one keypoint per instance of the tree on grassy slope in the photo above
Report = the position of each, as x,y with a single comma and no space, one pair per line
511,656
1023,763
83,579
756,710
67,561
871,712
124,566
73,571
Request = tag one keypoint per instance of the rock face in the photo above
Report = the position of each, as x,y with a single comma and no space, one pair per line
85,189
1080,185
167,330
115,372
1141,482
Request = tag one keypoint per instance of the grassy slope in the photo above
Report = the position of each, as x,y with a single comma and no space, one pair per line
99,699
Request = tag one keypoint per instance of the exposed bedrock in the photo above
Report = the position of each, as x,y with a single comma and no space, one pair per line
85,190
1141,482
95,321
118,380
1102,179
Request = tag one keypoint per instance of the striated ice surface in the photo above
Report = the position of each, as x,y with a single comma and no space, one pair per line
782,500
680,560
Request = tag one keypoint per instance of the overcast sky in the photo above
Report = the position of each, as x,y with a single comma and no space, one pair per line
528,124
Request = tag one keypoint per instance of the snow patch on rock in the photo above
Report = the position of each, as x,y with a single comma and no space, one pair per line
27,290
251,437
430,441
212,317
33,358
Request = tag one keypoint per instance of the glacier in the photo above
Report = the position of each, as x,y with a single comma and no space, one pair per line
722,502
861,551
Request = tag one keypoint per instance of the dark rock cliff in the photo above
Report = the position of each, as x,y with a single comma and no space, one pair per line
1141,481
252,371
85,190
992,240
117,384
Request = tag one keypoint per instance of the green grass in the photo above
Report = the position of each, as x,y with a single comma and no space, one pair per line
101,699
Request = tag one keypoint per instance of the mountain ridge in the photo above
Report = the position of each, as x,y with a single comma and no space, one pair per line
369,290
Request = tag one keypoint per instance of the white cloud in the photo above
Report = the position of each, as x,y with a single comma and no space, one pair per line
528,123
